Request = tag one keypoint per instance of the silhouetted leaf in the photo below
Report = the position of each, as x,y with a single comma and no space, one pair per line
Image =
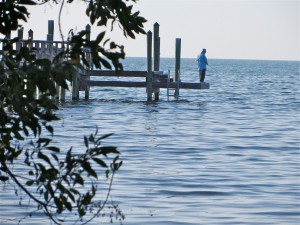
70,195
44,157
4,178
53,148
115,166
59,205
68,205
46,141
87,167
100,162
81,212
105,63
30,182
100,37
78,180
86,142
50,129
109,149
104,136
27,2
91,138
55,157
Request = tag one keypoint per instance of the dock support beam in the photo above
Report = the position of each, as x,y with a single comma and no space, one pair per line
177,65
149,66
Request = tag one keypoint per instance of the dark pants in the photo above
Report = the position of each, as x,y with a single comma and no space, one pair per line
202,75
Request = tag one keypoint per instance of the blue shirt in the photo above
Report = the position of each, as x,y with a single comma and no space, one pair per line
202,62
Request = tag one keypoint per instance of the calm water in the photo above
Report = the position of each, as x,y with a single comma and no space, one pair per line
227,155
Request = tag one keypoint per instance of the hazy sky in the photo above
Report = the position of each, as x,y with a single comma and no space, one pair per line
229,29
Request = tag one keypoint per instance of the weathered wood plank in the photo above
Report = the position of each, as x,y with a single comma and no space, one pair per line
117,84
110,73
182,85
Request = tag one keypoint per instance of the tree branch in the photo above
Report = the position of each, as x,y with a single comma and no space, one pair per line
30,195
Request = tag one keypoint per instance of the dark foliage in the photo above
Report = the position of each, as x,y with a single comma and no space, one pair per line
59,182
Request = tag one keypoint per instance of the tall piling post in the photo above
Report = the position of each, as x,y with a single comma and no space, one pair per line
20,36
49,47
50,30
50,36
177,65
156,45
30,34
30,37
88,57
75,88
149,66
62,94
156,55
62,91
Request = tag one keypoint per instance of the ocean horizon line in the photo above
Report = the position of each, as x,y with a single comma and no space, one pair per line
165,57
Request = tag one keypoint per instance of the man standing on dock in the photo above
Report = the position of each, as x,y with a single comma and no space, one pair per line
202,62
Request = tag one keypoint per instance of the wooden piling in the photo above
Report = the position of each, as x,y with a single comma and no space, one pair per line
75,88
149,66
177,65
156,52
50,30
20,36
88,58
50,36
62,94
156,55
30,36
49,47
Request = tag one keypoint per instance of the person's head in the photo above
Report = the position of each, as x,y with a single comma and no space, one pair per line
203,51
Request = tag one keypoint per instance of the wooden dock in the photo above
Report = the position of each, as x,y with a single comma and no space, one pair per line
160,81
153,79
